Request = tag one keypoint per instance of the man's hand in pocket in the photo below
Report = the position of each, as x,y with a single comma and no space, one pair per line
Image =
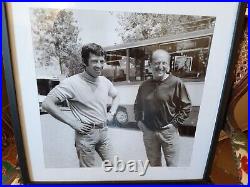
140,125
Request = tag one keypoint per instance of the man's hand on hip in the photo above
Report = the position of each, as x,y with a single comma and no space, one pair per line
110,116
81,127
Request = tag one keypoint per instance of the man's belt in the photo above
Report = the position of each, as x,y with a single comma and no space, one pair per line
97,125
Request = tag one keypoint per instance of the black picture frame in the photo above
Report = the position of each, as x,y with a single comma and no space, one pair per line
8,62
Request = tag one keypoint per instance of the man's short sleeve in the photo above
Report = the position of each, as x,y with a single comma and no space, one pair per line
112,90
63,91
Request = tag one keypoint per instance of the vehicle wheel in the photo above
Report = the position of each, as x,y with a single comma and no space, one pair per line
121,117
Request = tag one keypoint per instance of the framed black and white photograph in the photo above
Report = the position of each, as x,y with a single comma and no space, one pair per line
119,92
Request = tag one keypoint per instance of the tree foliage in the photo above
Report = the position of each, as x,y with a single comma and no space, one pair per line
56,38
41,25
141,26
65,34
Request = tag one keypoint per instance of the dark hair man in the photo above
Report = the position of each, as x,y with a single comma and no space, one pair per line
87,94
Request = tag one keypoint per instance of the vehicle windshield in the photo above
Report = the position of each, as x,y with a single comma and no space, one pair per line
45,85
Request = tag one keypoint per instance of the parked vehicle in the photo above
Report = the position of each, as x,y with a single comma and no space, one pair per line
189,54
44,85
125,113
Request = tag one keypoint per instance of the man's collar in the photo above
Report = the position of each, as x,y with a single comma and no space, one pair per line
88,77
166,76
